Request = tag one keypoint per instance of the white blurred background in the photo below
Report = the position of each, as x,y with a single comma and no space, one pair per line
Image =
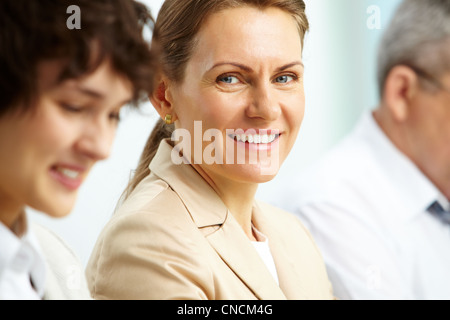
340,83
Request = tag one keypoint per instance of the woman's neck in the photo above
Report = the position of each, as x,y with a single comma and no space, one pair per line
10,213
238,198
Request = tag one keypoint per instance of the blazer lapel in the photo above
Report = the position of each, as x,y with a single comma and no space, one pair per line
288,268
208,210
233,246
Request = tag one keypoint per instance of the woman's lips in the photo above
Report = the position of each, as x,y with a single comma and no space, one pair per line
69,176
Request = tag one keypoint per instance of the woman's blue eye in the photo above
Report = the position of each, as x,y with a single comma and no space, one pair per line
284,79
229,80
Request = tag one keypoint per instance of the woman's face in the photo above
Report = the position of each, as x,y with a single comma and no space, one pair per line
47,151
244,81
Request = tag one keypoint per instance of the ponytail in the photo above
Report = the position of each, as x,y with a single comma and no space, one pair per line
160,132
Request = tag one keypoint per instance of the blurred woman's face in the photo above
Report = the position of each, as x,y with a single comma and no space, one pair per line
47,151
244,81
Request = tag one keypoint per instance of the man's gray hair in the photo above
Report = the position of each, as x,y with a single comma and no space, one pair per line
419,36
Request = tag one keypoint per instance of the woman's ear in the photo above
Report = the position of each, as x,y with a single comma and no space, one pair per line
400,87
161,99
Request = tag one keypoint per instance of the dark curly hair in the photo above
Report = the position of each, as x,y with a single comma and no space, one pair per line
36,31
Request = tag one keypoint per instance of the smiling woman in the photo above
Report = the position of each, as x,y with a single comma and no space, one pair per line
232,71
61,92
52,147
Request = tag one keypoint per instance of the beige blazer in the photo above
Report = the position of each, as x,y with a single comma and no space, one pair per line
65,279
174,238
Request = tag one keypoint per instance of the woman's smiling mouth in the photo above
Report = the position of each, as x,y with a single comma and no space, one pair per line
70,177
251,137
255,138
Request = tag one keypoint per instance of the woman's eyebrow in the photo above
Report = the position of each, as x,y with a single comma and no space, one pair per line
90,92
249,69
238,65
290,65
82,89
99,95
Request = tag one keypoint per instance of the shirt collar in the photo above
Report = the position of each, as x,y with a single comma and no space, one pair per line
10,245
13,246
414,190
443,201
204,205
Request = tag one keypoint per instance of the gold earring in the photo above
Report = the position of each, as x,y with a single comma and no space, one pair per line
168,119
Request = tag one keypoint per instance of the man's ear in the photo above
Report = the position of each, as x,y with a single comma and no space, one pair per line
400,87
161,99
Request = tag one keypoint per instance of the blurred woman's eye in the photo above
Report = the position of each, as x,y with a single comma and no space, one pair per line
71,107
115,116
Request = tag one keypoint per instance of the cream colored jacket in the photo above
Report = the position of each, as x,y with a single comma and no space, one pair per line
65,278
174,238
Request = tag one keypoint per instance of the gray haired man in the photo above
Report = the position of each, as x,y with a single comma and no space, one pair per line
378,203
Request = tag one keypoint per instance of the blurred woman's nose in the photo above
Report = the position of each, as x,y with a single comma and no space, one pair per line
96,140
263,104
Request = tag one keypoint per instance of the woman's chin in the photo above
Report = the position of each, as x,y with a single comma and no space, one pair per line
255,173
55,208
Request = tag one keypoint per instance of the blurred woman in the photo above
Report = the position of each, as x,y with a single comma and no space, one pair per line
61,92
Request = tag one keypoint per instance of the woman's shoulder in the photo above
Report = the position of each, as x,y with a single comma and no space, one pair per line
141,240
51,242
273,212
143,197
156,213
285,221
65,276
153,212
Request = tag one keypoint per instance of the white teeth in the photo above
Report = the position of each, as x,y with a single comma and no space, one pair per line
69,173
255,138
265,139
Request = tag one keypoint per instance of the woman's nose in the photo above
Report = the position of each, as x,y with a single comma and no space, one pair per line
264,104
96,140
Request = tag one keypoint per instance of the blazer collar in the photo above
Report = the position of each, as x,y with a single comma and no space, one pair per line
289,268
208,210
203,203
235,249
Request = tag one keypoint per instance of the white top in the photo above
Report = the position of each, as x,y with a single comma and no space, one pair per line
39,265
366,206
22,266
263,249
